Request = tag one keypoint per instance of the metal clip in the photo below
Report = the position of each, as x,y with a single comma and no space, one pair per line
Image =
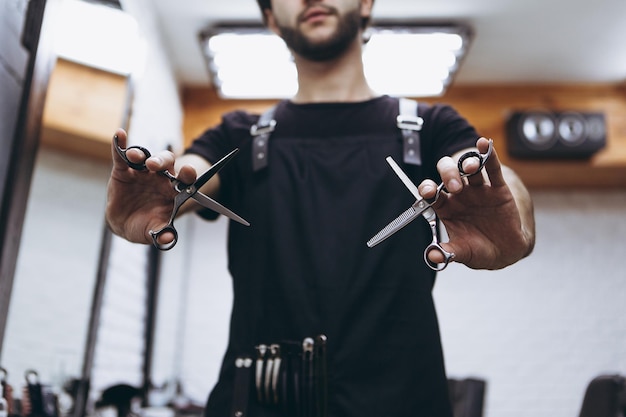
269,373
275,350
261,136
262,129
260,365
409,122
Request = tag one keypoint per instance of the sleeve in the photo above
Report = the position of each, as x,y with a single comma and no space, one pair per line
449,131
444,133
217,141
214,143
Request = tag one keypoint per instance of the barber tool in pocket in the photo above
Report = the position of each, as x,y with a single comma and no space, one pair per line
292,376
6,395
38,400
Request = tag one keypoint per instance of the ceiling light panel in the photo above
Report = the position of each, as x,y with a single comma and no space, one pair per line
249,62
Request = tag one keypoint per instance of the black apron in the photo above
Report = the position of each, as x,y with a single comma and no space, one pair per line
303,267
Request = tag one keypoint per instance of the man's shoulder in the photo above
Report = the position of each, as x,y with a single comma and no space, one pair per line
239,119
438,111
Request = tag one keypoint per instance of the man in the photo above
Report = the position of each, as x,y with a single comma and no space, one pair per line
302,268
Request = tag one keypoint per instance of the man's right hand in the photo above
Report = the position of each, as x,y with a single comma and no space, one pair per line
140,201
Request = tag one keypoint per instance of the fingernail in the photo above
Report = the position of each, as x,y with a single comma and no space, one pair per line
454,185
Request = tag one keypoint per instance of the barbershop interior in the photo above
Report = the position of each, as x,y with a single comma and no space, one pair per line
94,325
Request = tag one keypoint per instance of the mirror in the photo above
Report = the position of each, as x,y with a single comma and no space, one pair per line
59,263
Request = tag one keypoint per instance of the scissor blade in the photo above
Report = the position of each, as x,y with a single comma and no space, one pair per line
209,173
398,223
208,202
405,178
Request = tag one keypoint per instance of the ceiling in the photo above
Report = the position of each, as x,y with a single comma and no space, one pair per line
531,41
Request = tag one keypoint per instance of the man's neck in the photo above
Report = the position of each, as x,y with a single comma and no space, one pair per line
339,80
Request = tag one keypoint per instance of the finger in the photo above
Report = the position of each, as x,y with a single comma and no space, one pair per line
428,190
471,163
162,161
187,174
164,238
493,166
437,257
121,154
136,155
119,137
482,144
460,251
450,175
475,175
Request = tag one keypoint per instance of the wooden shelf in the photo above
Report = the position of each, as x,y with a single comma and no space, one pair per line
83,108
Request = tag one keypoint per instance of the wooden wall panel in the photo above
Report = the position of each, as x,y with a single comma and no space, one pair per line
487,107
203,108
84,107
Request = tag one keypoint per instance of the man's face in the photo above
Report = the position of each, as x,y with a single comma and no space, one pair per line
315,30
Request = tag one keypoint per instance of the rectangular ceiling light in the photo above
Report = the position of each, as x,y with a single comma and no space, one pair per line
99,34
413,60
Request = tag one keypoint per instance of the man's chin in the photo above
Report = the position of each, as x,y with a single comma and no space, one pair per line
321,54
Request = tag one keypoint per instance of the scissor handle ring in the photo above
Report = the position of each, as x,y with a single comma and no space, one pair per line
482,160
447,257
31,376
164,246
468,155
122,153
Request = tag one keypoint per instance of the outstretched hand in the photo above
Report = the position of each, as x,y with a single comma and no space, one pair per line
141,200
488,217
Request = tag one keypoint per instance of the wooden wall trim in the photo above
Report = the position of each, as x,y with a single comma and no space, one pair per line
487,107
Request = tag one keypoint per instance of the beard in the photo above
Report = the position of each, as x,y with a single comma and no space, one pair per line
330,48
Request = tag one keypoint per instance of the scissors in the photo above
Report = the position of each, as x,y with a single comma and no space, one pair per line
424,208
185,192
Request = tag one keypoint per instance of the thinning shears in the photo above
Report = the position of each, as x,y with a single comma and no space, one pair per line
423,207
185,192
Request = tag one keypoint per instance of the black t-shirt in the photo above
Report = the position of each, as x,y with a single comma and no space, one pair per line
303,267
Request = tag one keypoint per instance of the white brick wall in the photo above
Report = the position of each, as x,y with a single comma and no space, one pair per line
56,269
540,330
119,353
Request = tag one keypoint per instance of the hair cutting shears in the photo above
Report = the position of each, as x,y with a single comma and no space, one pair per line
185,192
424,208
